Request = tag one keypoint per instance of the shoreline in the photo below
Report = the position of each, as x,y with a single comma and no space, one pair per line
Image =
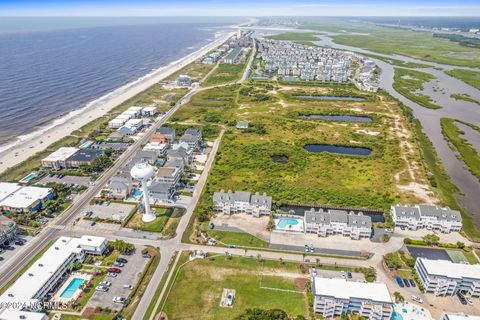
28,145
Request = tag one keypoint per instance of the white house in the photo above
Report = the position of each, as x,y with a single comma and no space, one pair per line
445,278
326,223
242,202
335,297
149,111
426,216
43,276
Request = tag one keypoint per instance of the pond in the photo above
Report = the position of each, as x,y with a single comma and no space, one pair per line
280,159
358,151
331,98
339,117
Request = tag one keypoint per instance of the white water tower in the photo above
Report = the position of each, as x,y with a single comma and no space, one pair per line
141,172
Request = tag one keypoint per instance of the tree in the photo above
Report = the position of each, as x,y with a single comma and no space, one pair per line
431,239
460,245
261,314
398,297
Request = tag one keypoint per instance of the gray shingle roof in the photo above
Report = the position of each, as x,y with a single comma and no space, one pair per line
339,216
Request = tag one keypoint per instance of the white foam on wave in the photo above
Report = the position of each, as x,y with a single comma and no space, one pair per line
96,103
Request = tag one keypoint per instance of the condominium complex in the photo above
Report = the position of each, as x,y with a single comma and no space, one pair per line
242,202
335,297
426,216
443,278
326,223
44,276
15,198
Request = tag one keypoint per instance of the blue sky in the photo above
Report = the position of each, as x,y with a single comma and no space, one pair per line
240,8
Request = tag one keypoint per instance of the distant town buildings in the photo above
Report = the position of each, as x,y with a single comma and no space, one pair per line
15,198
42,278
242,202
426,216
234,55
331,222
336,297
445,278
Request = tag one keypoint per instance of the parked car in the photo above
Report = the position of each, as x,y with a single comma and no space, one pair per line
118,264
469,300
147,255
112,274
406,282
412,282
114,270
93,223
19,243
349,275
400,282
128,286
101,288
122,260
388,230
119,300
105,283
462,299
417,299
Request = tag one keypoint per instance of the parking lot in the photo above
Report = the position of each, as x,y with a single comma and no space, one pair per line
110,210
129,276
339,274
7,254
68,180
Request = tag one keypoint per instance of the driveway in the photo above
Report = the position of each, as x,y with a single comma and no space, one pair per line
130,275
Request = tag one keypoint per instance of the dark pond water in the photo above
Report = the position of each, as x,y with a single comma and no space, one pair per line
359,151
339,117
299,210
280,159
330,98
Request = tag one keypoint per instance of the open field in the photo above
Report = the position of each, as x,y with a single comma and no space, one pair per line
225,73
237,238
409,82
194,70
466,152
468,76
300,37
197,290
392,173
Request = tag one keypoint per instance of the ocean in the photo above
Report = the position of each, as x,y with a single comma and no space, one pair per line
50,69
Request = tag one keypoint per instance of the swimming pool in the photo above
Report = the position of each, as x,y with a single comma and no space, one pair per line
396,316
72,287
289,224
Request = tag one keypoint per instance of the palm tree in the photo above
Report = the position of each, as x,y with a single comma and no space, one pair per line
398,297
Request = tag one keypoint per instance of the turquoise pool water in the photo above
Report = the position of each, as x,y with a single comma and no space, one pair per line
283,223
396,316
137,193
71,288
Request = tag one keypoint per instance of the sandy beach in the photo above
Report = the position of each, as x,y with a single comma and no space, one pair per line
42,138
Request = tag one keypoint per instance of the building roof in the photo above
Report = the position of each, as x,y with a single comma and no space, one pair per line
166,130
242,124
449,269
119,183
7,188
445,213
33,280
167,172
127,129
61,154
160,187
406,211
189,138
229,196
343,289
459,316
338,216
23,197
193,132
85,155
259,199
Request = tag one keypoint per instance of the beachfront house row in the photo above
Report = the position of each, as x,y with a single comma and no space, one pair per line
331,222
429,217
43,276
445,278
15,198
58,159
333,298
242,202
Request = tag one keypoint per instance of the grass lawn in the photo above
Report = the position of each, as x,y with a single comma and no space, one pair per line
157,225
110,259
464,97
408,82
225,73
457,256
197,290
468,76
237,238
466,152
470,257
